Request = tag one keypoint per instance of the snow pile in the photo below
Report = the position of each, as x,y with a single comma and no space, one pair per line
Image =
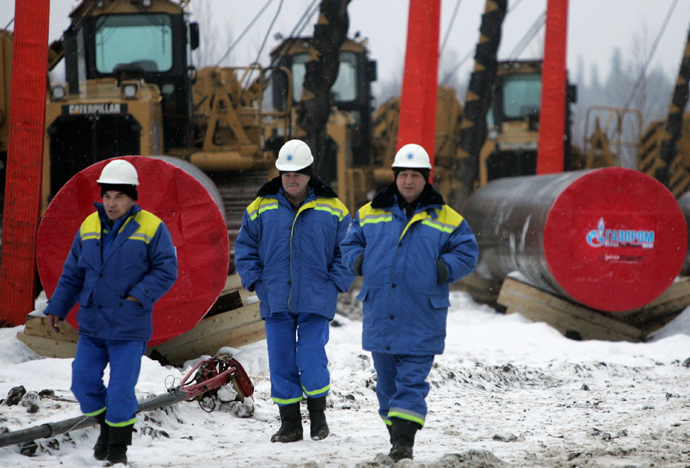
507,392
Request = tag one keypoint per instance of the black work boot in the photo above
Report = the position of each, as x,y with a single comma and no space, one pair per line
291,424
390,432
317,416
403,432
120,438
100,450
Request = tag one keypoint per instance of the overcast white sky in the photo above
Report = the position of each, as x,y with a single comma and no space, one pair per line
595,29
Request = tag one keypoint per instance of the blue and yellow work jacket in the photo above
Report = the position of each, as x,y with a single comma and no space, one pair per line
405,299
141,262
292,258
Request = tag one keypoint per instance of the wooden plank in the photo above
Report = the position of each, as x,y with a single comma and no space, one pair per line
569,318
245,295
482,290
676,298
517,295
227,301
177,356
48,347
234,329
234,283
651,327
536,295
37,325
233,296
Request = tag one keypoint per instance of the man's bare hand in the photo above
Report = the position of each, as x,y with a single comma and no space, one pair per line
54,323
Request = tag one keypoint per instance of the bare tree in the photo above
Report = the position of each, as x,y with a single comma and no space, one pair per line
631,84
393,86
452,80
214,40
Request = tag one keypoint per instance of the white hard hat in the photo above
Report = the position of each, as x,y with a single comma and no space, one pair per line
294,156
412,156
119,172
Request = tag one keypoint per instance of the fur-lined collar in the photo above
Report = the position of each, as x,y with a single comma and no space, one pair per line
273,186
386,197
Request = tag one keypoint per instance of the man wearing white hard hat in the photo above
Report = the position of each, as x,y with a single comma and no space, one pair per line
288,252
409,246
121,262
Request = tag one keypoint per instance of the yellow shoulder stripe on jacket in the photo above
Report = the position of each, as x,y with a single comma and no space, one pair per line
91,227
446,220
148,225
261,204
369,215
448,215
331,205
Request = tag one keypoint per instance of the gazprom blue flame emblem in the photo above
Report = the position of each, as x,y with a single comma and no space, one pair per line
596,238
290,157
410,156
602,237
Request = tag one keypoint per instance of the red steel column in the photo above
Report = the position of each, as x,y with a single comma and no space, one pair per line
553,90
420,80
24,160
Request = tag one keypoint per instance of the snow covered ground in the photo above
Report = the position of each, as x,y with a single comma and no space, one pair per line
507,392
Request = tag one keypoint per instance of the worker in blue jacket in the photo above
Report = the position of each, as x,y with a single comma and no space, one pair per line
409,246
121,262
288,252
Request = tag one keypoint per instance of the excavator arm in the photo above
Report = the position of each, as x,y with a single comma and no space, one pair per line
322,69
473,127
659,156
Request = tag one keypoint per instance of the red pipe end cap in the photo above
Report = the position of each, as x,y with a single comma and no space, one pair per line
196,225
615,239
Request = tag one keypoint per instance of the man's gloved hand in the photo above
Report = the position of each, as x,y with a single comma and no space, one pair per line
357,268
442,271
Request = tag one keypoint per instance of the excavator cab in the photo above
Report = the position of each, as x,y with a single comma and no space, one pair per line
513,122
129,85
350,93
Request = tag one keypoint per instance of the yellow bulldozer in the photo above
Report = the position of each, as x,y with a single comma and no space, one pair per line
130,89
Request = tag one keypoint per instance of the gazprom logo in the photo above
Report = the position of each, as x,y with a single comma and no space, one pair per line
290,157
602,237
410,156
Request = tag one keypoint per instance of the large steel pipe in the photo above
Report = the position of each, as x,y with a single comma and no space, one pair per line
612,239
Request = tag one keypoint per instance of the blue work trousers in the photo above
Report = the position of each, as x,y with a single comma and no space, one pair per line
297,356
401,386
118,398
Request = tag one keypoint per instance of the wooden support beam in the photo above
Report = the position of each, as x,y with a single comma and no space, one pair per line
232,329
569,318
482,290
575,320
236,326
38,337
674,299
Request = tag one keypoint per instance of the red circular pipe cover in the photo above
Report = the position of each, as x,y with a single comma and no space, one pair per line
193,217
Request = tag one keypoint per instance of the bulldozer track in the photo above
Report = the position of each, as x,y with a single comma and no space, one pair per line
238,190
